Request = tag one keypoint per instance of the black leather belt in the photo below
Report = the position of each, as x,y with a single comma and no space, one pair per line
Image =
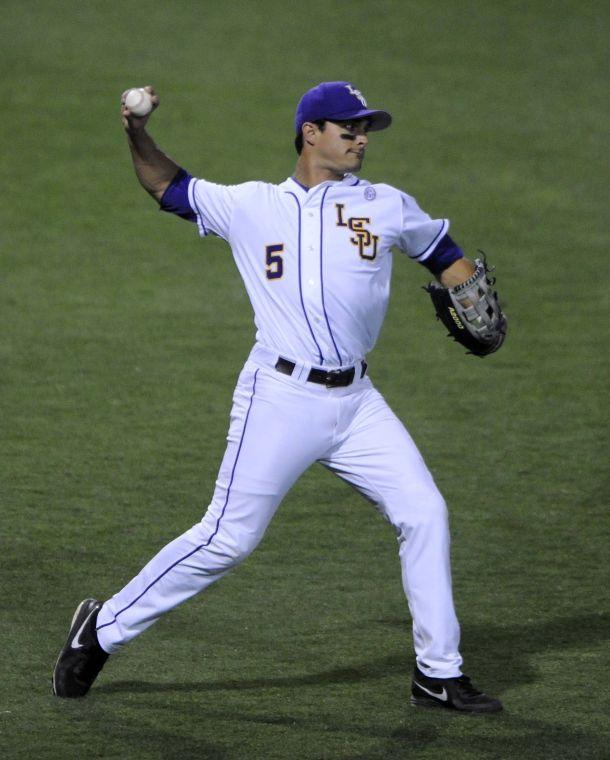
333,378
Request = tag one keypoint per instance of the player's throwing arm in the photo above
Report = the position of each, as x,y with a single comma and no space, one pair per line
154,169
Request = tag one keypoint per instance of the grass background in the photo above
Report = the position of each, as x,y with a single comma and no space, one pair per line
122,335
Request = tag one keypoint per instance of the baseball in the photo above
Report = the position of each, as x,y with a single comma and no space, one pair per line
139,101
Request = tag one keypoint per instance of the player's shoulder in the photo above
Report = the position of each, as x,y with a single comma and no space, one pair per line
375,189
373,194
241,188
386,189
257,188
398,194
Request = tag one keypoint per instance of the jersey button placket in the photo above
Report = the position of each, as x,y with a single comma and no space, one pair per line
310,273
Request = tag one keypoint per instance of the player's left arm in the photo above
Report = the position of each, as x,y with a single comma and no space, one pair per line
446,261
465,300
456,273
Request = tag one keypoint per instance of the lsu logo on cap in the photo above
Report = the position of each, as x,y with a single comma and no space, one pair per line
357,94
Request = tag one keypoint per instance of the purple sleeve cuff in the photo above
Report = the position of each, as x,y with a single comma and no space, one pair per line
445,253
175,199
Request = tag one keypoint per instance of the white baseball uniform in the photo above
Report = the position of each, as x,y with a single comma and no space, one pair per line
316,264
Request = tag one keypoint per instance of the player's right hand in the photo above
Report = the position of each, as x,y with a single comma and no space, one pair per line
134,123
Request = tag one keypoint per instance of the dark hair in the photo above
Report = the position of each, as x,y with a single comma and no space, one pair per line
298,140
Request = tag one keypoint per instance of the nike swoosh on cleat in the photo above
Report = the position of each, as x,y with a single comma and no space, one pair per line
75,643
442,695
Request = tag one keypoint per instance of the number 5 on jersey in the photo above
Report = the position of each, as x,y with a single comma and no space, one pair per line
274,264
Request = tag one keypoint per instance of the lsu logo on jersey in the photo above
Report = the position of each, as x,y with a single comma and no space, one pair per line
363,238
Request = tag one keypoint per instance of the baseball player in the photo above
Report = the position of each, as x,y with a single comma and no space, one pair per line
315,256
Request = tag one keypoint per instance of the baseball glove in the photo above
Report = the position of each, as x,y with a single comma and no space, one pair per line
471,312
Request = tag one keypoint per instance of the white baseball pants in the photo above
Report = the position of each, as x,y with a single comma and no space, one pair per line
280,425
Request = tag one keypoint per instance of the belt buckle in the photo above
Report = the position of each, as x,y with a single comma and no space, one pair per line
346,377
331,375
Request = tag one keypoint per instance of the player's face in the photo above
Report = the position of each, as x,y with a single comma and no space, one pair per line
341,145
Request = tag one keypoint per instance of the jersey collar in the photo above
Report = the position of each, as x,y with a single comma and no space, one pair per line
291,184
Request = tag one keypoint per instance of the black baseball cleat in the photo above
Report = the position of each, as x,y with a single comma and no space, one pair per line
82,657
454,693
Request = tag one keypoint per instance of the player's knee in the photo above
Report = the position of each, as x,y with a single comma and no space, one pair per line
427,511
224,548
233,548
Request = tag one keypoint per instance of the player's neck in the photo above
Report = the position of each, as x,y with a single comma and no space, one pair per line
310,175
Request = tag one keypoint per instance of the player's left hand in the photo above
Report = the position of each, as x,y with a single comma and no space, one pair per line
471,311
133,123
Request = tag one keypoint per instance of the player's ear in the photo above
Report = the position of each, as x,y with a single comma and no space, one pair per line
310,132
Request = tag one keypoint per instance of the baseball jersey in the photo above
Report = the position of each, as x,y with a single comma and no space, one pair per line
316,262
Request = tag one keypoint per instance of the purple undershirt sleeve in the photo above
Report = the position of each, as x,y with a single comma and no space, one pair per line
445,253
175,199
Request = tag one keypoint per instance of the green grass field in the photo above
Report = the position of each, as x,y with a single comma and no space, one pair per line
123,333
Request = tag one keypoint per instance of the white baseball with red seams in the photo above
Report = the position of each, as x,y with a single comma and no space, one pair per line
316,264
139,101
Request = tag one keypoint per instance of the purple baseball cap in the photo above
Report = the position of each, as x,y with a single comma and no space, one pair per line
337,101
